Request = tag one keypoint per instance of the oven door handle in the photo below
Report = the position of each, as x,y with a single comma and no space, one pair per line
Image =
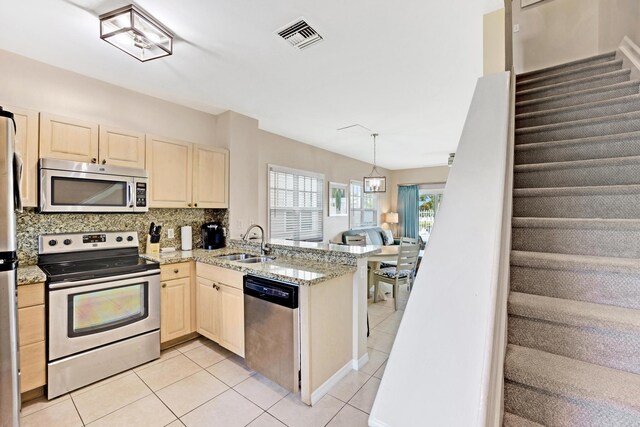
62,285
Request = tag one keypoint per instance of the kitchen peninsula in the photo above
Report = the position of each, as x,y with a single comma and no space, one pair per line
332,301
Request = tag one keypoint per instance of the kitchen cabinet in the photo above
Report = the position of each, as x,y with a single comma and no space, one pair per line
175,301
210,177
81,141
31,331
121,147
169,163
68,139
26,144
220,306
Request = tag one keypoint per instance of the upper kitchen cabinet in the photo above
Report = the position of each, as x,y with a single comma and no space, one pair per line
210,177
169,166
27,146
121,147
68,139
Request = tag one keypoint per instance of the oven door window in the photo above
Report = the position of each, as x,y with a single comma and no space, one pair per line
87,192
107,309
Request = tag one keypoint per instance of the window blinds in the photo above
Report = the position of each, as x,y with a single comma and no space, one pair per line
295,204
363,207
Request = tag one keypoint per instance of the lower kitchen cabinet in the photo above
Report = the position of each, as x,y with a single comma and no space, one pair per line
220,306
175,302
31,331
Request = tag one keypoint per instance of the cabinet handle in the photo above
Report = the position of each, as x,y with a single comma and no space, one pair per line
176,271
94,160
104,162
164,285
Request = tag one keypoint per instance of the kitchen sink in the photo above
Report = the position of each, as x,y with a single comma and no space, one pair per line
256,259
236,257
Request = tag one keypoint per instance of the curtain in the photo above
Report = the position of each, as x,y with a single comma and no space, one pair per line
408,196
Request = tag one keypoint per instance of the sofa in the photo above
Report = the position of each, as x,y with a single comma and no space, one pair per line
373,234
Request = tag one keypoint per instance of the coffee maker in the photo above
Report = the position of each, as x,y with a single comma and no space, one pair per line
213,235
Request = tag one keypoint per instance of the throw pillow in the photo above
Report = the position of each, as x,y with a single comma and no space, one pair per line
387,237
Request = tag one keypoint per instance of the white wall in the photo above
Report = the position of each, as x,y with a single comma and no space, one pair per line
252,149
558,31
31,84
493,42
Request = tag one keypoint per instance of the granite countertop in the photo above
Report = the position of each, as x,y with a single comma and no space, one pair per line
30,274
303,272
319,247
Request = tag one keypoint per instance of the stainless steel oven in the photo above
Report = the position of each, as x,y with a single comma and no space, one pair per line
103,307
67,186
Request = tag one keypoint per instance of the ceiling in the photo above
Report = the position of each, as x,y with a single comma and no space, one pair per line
404,69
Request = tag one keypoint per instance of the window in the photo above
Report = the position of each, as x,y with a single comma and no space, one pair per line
428,205
295,204
363,207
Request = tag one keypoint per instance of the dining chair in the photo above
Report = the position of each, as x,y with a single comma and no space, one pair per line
403,271
356,240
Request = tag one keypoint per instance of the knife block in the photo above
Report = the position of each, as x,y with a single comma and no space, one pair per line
152,248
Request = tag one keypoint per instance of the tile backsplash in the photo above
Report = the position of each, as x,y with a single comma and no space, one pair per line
31,224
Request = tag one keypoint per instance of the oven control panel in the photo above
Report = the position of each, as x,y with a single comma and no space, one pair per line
74,242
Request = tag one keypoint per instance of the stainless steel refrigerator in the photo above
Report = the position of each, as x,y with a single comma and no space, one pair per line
9,360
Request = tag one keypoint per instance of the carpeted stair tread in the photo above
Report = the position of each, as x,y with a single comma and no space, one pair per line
570,262
584,128
512,420
575,85
580,97
577,64
577,223
573,378
563,75
575,173
574,313
596,190
596,147
607,107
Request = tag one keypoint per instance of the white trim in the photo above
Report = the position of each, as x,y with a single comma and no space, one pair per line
359,363
333,380
287,169
631,55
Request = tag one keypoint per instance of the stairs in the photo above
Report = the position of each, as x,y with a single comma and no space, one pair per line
573,353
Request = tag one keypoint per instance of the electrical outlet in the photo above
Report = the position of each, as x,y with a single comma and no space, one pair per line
516,28
170,233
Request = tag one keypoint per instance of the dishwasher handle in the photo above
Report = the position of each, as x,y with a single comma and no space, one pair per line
273,291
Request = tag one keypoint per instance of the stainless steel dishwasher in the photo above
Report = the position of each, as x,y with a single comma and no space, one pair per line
271,330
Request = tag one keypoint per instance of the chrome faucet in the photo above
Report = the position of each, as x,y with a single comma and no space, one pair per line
247,235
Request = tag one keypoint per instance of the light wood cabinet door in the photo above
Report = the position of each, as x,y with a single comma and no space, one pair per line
68,139
208,309
210,177
232,319
27,146
33,366
169,163
175,306
121,147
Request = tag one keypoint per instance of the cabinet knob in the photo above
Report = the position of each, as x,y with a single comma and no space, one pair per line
94,160
104,162
189,204
195,204
176,271
164,285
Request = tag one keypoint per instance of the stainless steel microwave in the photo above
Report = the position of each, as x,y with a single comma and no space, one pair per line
67,186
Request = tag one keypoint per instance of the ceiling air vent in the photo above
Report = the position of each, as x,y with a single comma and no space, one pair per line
299,34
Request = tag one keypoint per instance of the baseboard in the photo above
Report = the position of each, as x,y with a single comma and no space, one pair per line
629,52
358,364
333,380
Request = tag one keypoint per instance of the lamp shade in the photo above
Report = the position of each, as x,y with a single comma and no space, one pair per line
391,217
136,33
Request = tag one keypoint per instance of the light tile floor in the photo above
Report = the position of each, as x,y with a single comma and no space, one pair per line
199,383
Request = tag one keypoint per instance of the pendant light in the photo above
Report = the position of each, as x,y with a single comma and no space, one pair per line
374,182
135,32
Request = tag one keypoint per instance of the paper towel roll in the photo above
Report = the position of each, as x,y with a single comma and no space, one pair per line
186,238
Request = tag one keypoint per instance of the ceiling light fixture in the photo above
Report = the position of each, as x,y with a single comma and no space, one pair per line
135,32
374,182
